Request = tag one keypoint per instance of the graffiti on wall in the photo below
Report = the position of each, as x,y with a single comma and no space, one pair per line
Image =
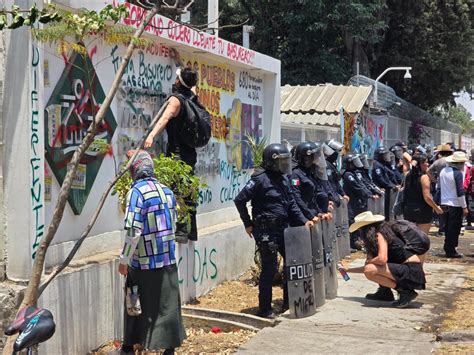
36,155
197,265
166,28
68,115
363,133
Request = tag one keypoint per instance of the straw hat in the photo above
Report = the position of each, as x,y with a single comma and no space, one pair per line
444,148
457,157
364,219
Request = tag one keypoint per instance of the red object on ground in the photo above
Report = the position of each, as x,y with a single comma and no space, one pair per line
216,330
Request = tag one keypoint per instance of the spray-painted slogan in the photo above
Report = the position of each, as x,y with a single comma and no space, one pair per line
68,115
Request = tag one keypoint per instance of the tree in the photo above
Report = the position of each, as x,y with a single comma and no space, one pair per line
69,32
435,38
321,41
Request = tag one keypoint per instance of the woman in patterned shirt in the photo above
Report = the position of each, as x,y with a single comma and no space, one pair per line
149,262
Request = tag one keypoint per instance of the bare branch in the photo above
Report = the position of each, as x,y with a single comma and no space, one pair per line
104,196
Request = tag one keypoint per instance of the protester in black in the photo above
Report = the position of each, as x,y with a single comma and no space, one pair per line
172,120
389,262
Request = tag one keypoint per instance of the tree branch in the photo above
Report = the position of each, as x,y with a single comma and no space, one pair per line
31,294
104,196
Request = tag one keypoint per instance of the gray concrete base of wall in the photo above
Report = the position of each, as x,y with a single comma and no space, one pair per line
87,298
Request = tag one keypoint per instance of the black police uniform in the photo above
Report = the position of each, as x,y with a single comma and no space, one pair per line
394,174
381,179
273,207
306,190
334,178
358,194
374,189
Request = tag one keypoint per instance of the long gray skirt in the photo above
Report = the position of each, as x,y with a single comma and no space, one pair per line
160,325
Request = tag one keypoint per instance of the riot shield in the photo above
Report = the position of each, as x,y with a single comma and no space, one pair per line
393,195
299,272
380,205
371,205
330,267
318,264
346,242
338,225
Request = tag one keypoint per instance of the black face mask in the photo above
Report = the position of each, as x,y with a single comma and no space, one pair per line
333,157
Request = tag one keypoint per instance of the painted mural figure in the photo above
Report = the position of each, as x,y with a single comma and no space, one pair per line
172,120
148,261
273,208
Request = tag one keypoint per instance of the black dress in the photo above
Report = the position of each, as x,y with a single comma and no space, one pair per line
415,209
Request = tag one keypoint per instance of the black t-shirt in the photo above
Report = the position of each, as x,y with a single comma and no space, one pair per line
397,253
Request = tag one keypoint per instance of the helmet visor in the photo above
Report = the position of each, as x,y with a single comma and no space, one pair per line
398,153
320,165
328,151
335,145
283,162
365,162
357,162
386,157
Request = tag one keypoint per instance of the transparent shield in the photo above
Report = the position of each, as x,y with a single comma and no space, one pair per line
335,145
327,150
365,161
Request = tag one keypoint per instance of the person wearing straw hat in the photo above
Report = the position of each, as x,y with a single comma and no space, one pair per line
389,262
453,201
442,152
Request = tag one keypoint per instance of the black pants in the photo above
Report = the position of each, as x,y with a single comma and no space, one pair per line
469,215
453,223
269,243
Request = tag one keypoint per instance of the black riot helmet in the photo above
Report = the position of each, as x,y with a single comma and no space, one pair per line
365,161
351,162
382,154
397,151
276,158
305,154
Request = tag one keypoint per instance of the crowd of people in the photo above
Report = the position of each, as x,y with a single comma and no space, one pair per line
292,187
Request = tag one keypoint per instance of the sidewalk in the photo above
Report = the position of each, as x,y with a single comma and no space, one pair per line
350,324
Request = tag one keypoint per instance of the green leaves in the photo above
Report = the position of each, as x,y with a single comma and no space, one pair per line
16,18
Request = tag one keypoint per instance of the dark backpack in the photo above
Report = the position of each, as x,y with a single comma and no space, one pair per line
414,238
196,129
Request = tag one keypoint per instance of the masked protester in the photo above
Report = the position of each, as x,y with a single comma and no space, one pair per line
149,262
356,190
273,208
307,190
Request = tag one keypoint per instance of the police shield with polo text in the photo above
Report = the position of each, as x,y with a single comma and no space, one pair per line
299,272
318,264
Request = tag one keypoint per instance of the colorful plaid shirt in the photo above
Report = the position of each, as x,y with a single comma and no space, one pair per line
151,211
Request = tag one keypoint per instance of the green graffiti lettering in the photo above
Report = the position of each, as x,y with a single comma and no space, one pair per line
204,266
196,252
180,280
213,263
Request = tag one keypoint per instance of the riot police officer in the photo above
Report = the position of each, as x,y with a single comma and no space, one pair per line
374,189
331,151
380,176
307,190
273,207
355,189
396,164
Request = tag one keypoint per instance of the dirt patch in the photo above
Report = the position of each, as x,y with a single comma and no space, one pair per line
446,349
201,341
461,316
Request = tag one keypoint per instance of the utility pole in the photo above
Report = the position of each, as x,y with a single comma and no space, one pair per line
213,17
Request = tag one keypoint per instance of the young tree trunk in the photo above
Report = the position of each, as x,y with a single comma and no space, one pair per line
31,294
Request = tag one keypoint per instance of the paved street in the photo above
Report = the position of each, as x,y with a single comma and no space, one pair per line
352,324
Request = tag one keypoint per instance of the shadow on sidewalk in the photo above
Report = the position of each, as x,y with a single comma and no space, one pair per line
377,304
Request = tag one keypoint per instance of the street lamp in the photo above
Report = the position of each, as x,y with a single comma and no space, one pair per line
407,78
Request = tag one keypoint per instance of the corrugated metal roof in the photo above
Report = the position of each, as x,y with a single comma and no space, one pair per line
325,98
320,119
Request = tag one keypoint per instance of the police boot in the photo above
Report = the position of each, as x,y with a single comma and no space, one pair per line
382,294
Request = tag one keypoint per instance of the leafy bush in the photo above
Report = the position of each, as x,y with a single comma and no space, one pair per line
177,176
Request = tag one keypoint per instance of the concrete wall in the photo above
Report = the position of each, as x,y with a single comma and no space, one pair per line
239,86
